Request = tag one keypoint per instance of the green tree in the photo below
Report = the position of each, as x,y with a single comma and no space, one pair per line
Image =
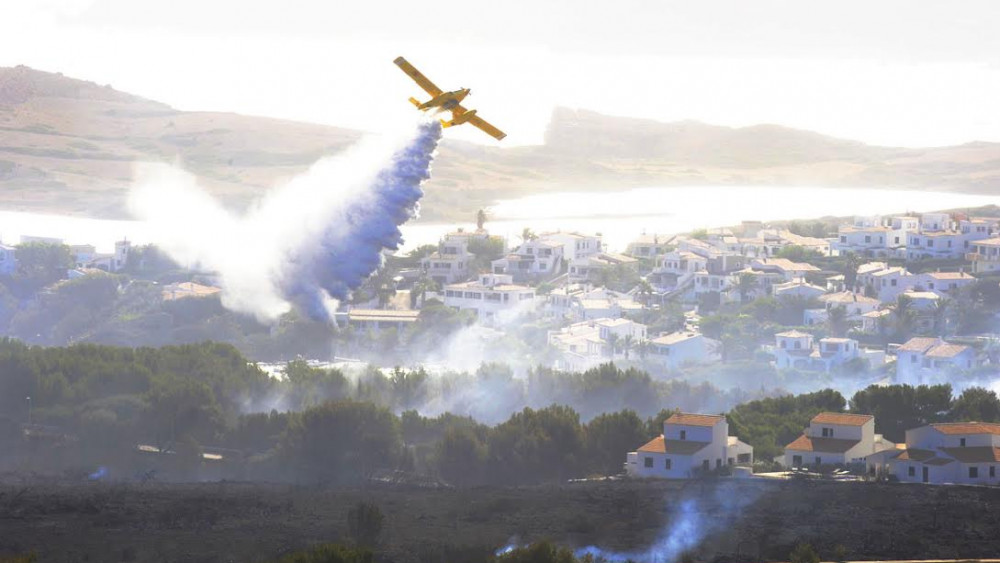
609,437
898,408
836,321
746,284
976,404
41,263
850,270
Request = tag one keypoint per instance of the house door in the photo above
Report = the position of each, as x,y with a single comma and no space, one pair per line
925,475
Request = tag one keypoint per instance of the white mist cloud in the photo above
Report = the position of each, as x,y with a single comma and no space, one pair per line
259,256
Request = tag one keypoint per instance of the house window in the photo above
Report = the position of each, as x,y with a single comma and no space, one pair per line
784,345
684,434
868,238
892,283
731,461
819,460
743,458
993,471
961,442
704,464
718,463
828,432
798,345
973,473
911,471
667,464
649,462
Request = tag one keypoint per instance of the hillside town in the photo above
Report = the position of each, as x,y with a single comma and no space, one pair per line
871,301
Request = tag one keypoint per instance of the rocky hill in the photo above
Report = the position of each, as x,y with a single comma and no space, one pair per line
67,146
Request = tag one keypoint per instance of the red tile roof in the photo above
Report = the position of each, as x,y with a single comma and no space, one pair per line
824,445
842,419
953,428
659,445
915,454
695,419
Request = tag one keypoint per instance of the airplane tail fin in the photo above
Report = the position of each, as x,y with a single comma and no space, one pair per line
415,102
447,124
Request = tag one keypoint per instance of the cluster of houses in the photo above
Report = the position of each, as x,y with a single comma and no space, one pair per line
695,444
557,276
85,256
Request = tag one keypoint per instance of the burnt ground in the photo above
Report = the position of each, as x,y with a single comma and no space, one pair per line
746,520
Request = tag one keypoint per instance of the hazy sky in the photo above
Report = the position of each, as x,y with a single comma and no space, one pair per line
897,72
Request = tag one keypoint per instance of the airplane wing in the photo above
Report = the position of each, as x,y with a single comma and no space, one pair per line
418,77
487,128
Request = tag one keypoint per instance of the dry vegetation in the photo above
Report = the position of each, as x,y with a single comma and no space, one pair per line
68,146
210,522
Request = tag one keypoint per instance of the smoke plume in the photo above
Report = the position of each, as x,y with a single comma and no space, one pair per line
308,242
693,519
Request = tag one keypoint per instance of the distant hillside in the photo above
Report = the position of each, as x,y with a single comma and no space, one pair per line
67,146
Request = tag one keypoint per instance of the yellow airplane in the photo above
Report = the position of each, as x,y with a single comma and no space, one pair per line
447,101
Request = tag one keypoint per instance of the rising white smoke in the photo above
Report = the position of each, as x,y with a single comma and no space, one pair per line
308,242
690,524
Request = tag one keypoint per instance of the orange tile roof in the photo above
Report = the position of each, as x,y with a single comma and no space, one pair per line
842,419
918,344
825,445
915,454
974,454
695,419
946,351
953,428
659,445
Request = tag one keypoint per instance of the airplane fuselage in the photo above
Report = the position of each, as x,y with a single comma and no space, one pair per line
445,101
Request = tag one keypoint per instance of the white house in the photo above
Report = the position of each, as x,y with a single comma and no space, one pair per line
676,269
836,439
944,282
874,236
378,319
789,270
691,444
959,452
679,348
586,344
494,297
921,357
797,288
649,246
450,263
985,255
574,245
533,260
583,268
854,304
8,260
583,302
795,350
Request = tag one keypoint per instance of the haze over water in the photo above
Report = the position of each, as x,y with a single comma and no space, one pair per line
619,216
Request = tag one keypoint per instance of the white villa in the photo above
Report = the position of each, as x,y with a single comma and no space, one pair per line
450,262
923,357
493,297
586,344
985,256
797,288
874,236
795,350
959,452
581,269
836,439
535,259
680,348
690,444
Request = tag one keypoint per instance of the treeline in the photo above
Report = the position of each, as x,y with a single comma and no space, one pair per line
93,405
